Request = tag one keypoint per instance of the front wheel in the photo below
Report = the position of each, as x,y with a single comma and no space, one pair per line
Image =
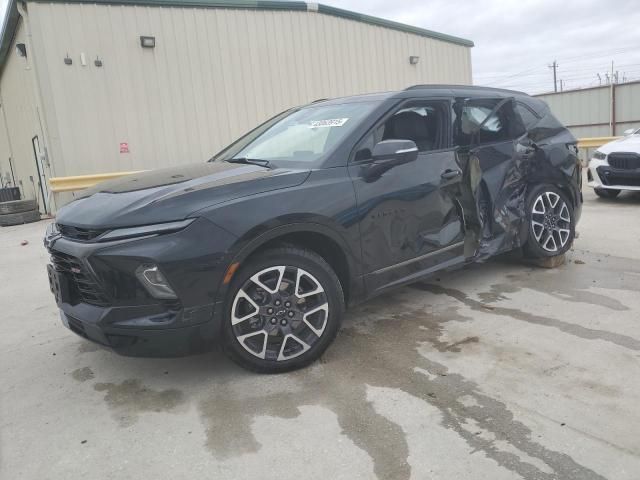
606,192
551,222
284,309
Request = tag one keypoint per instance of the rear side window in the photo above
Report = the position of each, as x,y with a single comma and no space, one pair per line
477,122
529,118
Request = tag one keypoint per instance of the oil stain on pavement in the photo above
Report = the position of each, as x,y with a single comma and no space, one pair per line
130,398
82,374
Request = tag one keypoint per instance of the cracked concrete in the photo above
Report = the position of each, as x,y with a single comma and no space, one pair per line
499,371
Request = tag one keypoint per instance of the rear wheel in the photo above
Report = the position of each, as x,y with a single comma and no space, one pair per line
606,192
551,222
284,309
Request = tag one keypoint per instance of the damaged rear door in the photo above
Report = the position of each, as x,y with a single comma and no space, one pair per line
494,153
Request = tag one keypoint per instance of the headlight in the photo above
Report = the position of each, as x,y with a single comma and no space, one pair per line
120,233
598,155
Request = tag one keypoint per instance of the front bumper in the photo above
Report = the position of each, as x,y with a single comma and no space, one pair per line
140,342
101,300
601,175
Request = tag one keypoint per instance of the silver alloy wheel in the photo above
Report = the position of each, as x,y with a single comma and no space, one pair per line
551,221
279,313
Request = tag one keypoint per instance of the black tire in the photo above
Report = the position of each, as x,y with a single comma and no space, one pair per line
558,221
261,351
606,192
19,218
17,206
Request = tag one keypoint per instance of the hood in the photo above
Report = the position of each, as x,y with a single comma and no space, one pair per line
630,143
171,194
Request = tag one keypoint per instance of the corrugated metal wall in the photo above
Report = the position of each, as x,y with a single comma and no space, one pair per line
19,108
214,74
588,112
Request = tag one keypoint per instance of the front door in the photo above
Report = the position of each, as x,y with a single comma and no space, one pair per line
410,219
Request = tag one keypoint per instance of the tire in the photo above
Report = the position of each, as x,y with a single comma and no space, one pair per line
297,304
19,218
17,206
551,222
606,192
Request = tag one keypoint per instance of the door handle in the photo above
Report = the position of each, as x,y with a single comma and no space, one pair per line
451,174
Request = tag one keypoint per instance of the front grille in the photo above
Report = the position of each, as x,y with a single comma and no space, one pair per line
614,179
624,160
83,286
82,234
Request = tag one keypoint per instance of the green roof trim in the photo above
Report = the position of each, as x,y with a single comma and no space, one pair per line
11,20
381,22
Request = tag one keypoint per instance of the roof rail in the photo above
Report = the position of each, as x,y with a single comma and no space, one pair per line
470,87
421,86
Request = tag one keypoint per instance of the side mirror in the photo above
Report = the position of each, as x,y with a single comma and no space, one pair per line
386,155
402,151
629,131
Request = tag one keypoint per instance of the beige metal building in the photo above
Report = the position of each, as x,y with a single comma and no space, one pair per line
82,92
603,111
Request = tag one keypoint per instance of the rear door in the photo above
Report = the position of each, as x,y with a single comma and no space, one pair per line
410,218
494,152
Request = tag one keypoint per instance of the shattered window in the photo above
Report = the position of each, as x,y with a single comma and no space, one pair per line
528,117
475,122
473,116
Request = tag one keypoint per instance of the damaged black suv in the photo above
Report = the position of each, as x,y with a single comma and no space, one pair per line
320,207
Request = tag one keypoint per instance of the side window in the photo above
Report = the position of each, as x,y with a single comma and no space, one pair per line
422,122
529,118
366,146
476,123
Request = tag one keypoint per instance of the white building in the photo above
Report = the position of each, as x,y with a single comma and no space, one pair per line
104,86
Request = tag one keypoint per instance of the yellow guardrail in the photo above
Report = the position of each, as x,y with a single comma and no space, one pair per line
80,182
594,142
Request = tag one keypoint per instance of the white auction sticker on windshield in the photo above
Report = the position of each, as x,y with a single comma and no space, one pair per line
332,122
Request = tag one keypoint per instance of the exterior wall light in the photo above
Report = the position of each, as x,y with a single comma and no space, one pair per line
148,42
414,59
21,49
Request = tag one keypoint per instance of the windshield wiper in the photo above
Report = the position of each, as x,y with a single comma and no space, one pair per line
249,161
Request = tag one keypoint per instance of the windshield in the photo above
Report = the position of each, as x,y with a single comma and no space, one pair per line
304,135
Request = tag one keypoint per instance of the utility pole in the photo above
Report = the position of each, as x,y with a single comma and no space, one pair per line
561,85
612,106
599,79
554,66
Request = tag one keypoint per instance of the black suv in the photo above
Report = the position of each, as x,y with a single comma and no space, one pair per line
320,207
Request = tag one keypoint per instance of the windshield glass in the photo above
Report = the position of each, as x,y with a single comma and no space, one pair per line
304,135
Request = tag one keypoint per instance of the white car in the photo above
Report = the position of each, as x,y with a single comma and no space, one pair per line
615,166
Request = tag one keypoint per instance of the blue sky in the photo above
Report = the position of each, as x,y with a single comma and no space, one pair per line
516,40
